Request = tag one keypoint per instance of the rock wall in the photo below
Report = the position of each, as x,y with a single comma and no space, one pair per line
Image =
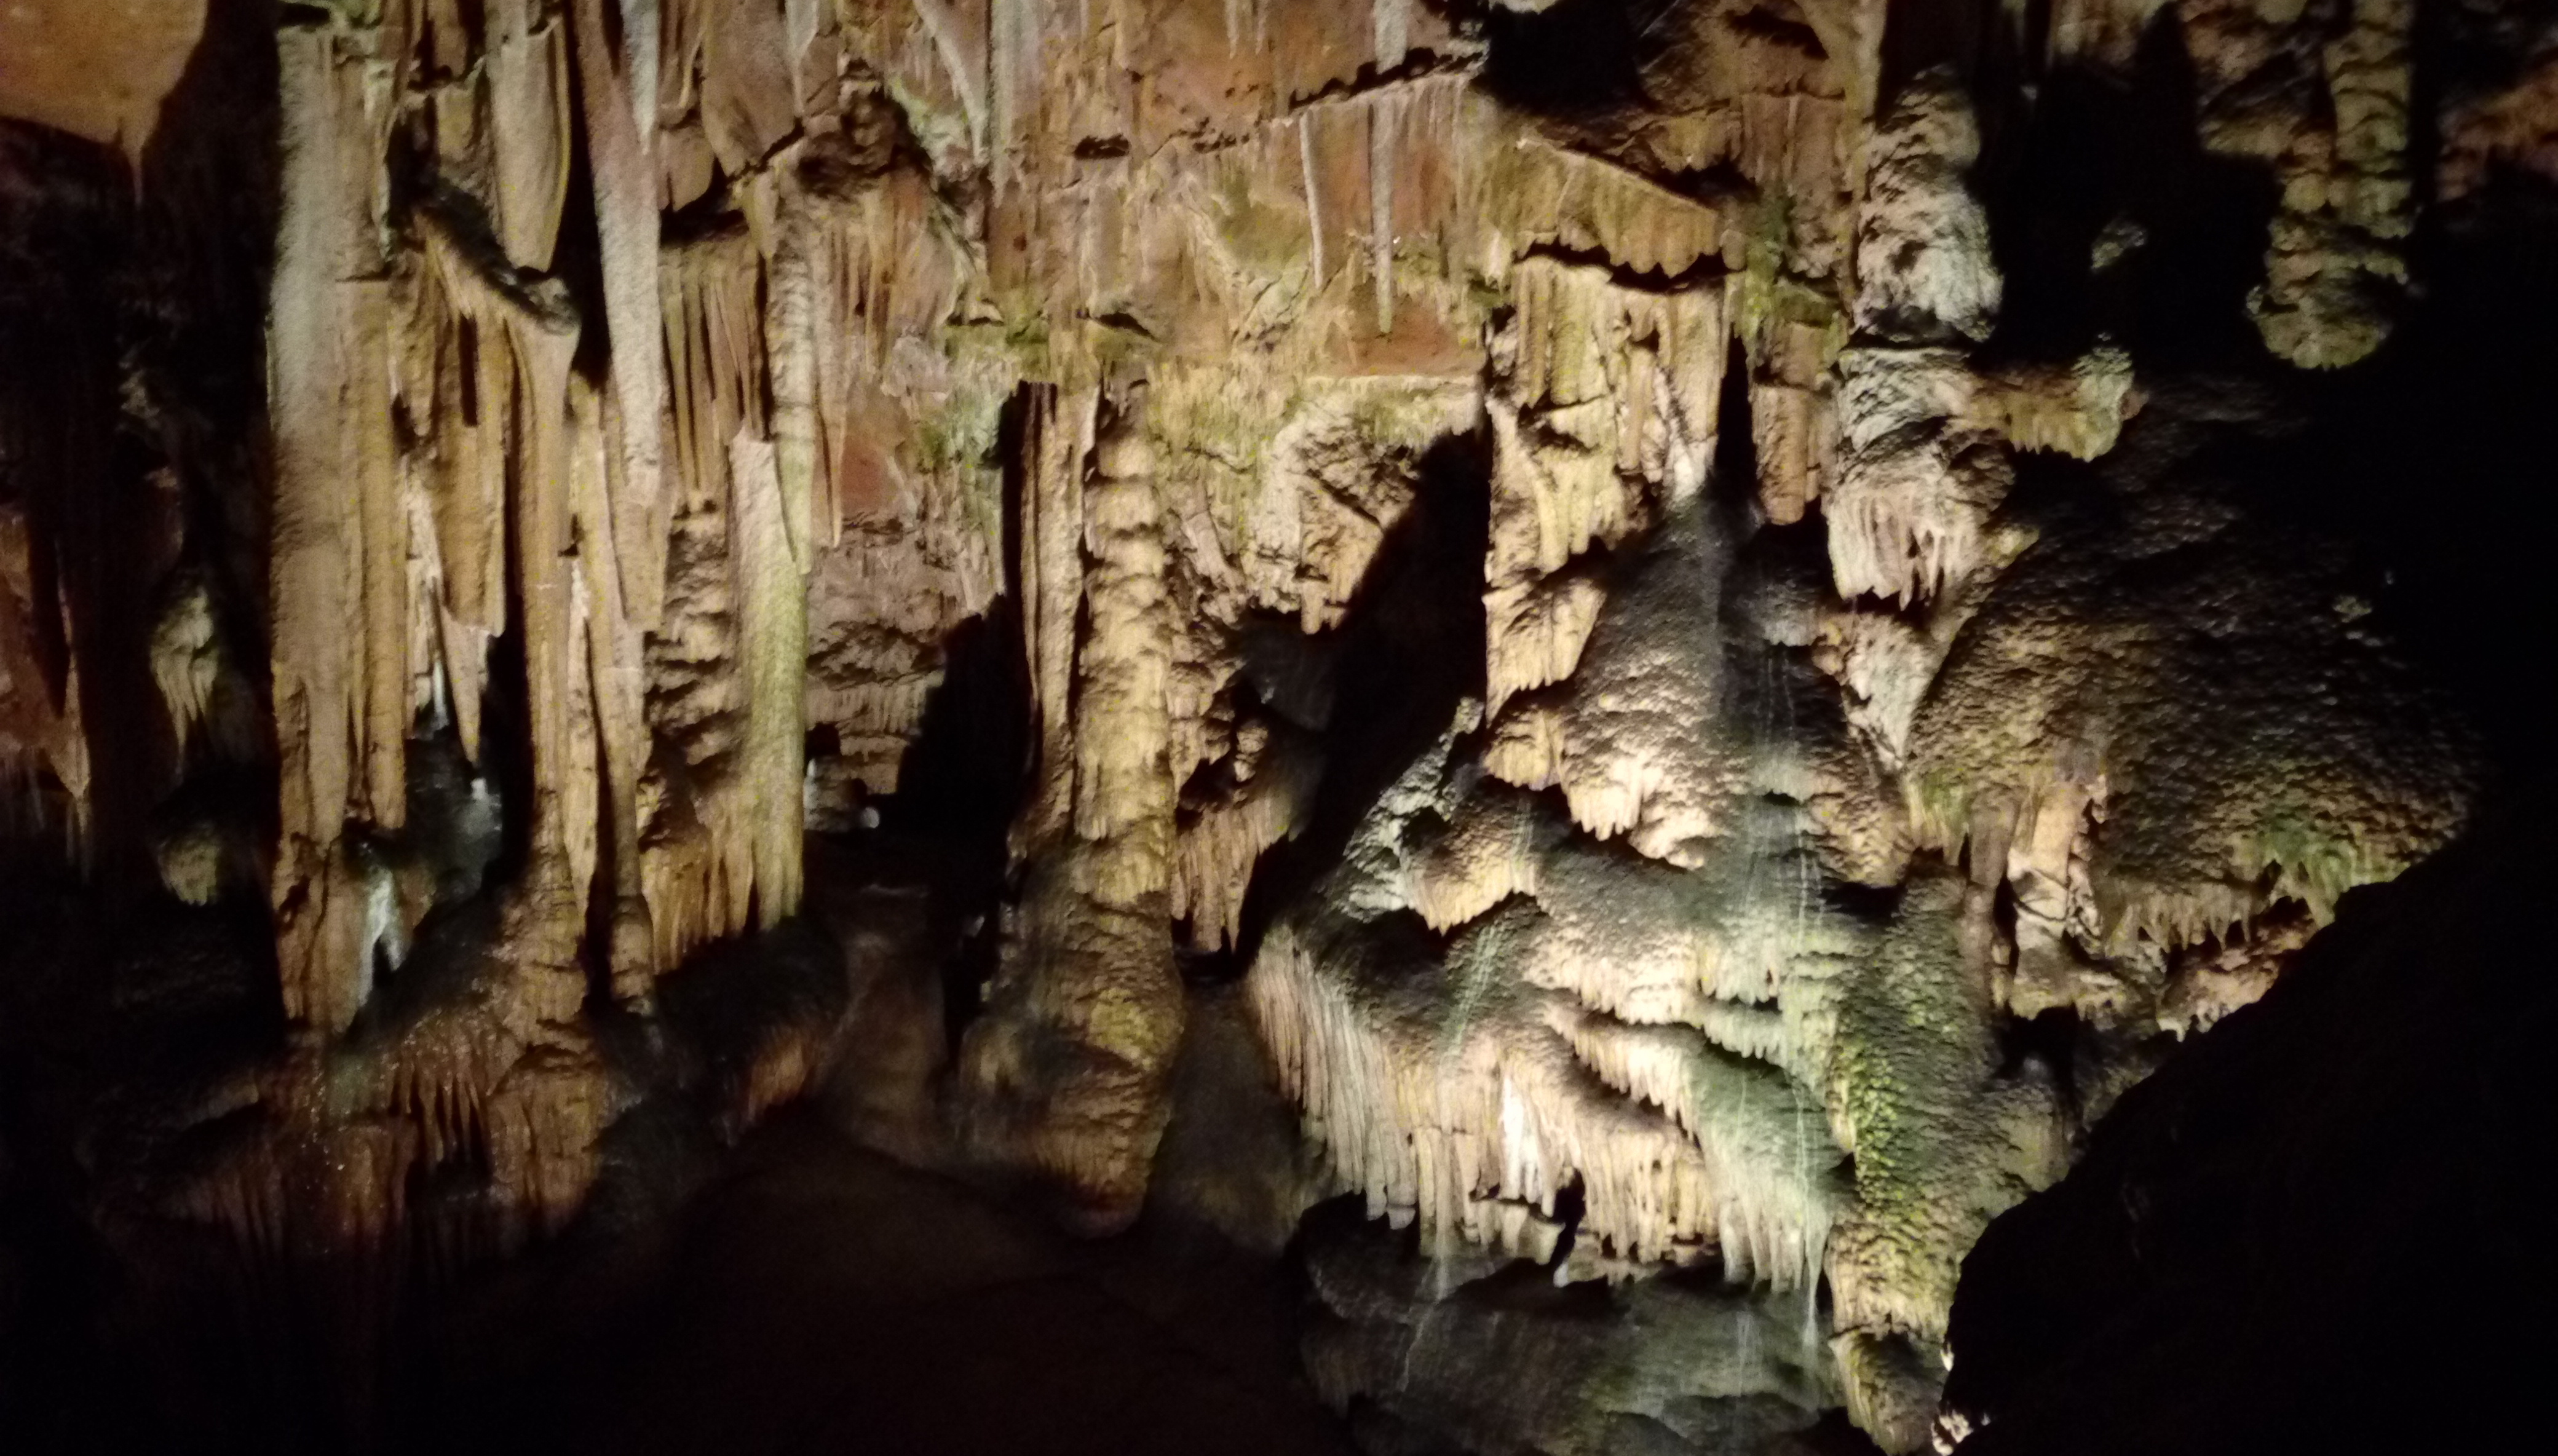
457,543
2229,1187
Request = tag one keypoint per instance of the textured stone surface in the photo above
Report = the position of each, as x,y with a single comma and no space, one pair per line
1695,623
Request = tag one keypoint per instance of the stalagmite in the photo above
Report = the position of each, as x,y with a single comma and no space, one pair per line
1123,798
1066,1070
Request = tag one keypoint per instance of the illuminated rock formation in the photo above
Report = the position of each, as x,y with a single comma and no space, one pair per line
1694,641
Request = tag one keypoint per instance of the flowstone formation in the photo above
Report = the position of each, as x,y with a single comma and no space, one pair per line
1669,598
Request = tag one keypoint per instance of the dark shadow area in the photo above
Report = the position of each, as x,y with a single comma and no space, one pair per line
2048,1041
2422,459
2315,1228
132,315
127,1326
98,535
820,1297
958,788
1463,1351
506,737
1408,651
1736,444
2100,165
963,776
1575,57
1971,36
102,1009
2431,456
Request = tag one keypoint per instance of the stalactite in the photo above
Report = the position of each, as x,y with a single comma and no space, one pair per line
1060,437
1068,1066
718,847
529,110
772,639
619,91
340,694
1221,841
616,647
1807,756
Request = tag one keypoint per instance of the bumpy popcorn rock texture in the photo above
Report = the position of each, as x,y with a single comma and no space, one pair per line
1571,548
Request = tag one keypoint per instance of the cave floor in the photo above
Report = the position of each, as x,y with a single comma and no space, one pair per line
820,1297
